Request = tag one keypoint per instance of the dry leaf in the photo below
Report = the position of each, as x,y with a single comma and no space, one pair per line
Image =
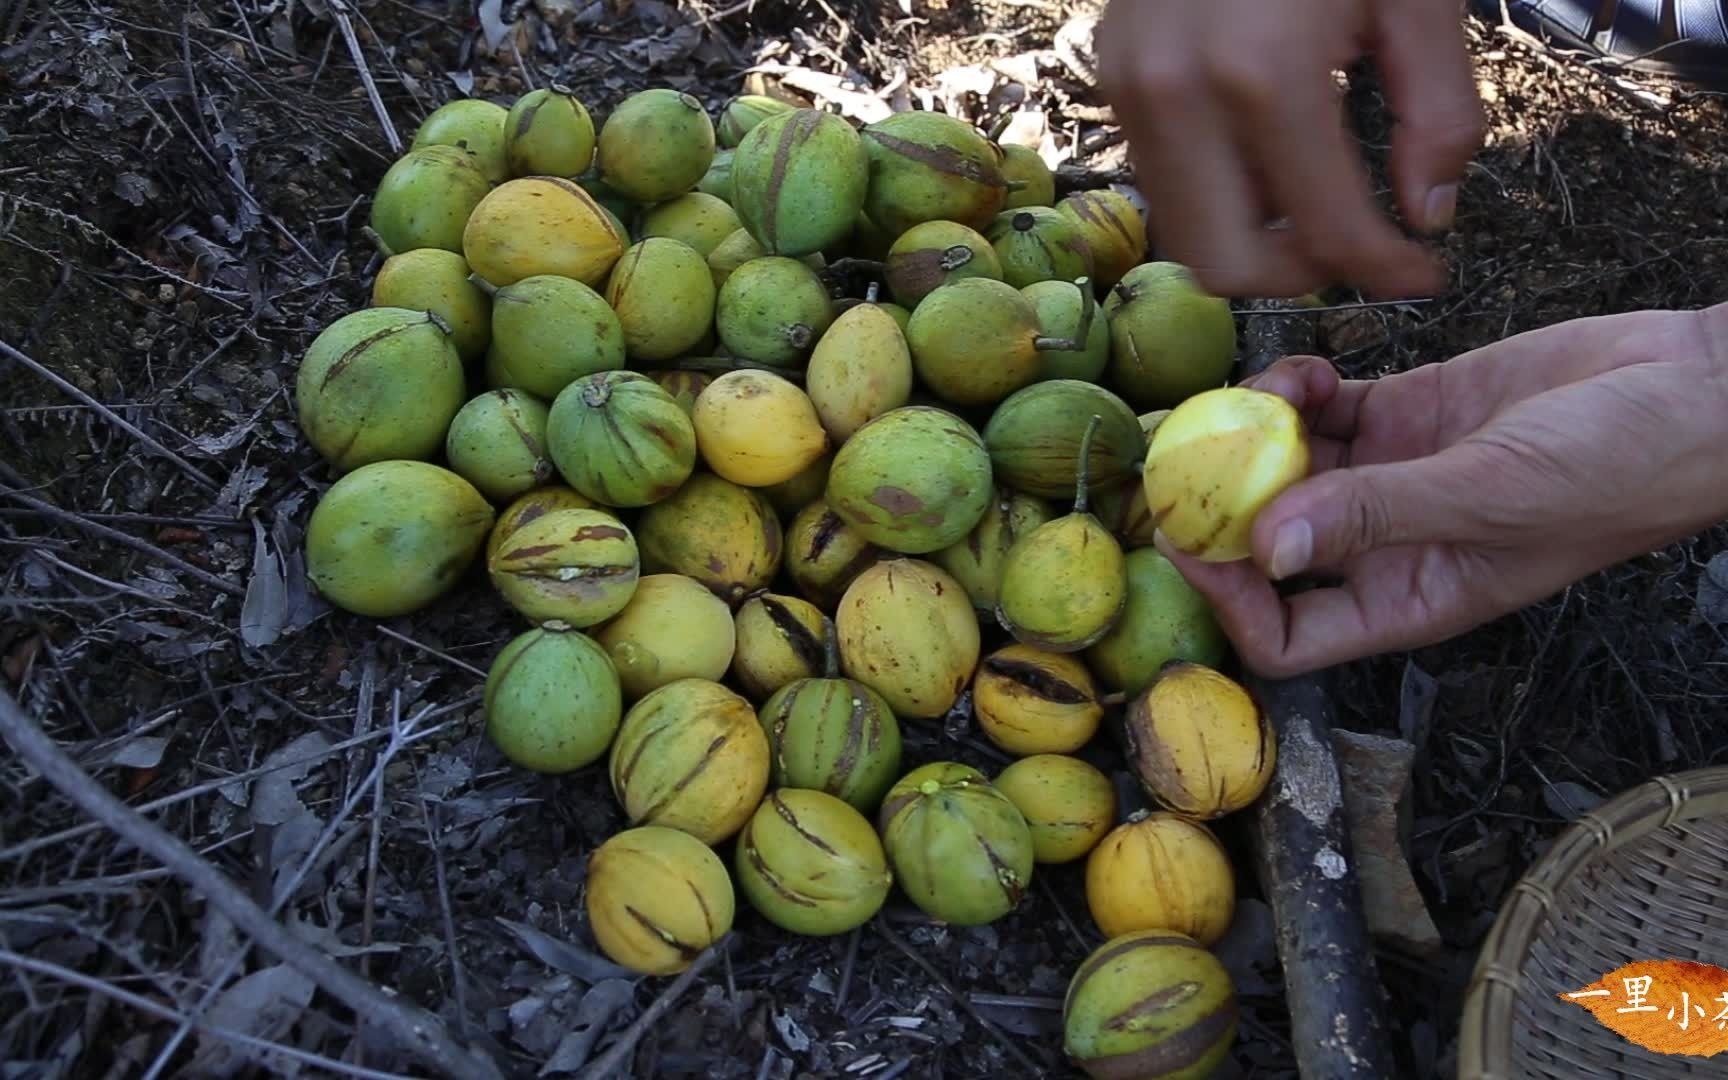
1665,1006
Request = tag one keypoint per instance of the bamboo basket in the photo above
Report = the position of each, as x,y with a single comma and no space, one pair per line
1642,877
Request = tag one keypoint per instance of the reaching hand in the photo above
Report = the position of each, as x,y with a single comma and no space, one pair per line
1461,491
1234,119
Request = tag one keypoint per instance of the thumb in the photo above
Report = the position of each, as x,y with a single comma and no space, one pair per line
1431,88
1334,516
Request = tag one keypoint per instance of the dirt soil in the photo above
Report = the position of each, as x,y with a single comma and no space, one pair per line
181,195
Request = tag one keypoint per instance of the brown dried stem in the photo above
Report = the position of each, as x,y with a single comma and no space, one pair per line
619,1052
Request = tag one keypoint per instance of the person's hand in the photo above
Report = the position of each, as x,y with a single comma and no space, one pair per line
1447,496
1234,119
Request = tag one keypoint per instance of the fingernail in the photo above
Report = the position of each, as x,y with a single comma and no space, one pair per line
1292,548
1442,206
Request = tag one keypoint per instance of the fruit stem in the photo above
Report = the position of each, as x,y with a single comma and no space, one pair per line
561,90
377,241
732,363
1000,126
872,292
955,257
482,284
1015,185
830,649
1110,701
439,321
1024,222
1083,469
1088,308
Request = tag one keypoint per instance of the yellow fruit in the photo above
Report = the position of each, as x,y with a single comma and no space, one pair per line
1113,229
1023,166
779,641
1215,462
1159,871
756,428
699,220
860,369
656,898
540,225
672,628
907,631
692,756
812,864
664,297
435,280
722,534
1029,701
1199,742
578,567
531,505
1068,804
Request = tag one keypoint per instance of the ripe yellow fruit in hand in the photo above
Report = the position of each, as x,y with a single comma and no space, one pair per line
756,428
1215,462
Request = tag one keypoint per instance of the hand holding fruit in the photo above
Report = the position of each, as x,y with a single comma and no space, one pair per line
1234,119
1458,492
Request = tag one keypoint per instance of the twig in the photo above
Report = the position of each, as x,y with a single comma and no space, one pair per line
851,965
1030,1067
419,1031
458,980
143,1004
339,8
620,1050
181,463
423,647
126,539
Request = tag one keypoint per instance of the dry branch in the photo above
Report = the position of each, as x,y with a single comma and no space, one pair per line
620,1050
421,1033
48,509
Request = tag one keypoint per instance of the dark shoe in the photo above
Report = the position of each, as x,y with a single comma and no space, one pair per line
1682,39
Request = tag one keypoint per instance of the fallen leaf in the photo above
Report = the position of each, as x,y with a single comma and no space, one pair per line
266,1003
143,752
562,955
274,800
1375,771
1567,800
1713,590
1416,697
265,607
594,1015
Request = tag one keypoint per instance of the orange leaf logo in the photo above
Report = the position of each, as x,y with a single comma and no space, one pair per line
1665,1006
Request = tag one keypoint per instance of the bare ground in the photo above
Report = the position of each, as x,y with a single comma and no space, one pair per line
180,201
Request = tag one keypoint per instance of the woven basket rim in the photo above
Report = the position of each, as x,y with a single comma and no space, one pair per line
1486,1030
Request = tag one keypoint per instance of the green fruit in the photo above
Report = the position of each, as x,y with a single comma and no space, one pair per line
723,535
1113,229
425,200
779,641
743,113
929,166
1061,306
684,386
812,864
1036,243
548,133
1064,584
1022,165
906,631
533,504
541,225
1169,340
695,219
577,567
860,369
664,297
935,253
772,310
824,554
497,442
621,440
552,702
739,248
389,538
901,315
976,560
977,340
717,181
869,240
624,210
547,332
913,480
835,735
1034,438
1069,804
656,145
790,496
958,847
673,628
379,384
472,125
690,756
435,280
1165,619
798,181
1153,1005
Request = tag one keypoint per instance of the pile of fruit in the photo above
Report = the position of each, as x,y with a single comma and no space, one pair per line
779,434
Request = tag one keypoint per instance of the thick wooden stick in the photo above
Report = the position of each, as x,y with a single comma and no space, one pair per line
1306,864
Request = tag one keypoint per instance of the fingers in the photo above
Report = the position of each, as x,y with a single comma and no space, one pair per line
1294,128
1432,89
